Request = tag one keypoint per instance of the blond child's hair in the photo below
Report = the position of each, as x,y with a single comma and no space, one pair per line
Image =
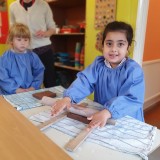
18,30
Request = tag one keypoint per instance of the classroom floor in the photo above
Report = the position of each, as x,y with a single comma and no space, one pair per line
152,115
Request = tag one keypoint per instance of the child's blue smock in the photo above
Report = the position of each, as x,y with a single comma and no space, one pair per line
120,90
20,70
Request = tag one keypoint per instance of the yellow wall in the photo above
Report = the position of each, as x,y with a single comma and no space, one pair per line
10,1
3,47
127,11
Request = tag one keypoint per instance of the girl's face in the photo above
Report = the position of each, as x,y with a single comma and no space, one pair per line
20,44
115,47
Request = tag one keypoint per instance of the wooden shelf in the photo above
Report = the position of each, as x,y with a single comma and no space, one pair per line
68,13
68,34
58,64
66,3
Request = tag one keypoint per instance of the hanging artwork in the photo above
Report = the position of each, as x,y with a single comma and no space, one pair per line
105,12
3,21
99,37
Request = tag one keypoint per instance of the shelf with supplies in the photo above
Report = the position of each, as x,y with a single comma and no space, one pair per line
66,3
69,39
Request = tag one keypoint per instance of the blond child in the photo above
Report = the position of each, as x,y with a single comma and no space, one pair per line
20,69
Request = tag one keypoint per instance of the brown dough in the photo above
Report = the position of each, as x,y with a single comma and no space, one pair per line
78,117
45,93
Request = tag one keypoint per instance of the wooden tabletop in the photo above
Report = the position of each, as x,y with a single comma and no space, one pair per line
21,140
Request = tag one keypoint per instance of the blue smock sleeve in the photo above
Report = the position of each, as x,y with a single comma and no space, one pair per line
7,83
130,98
84,84
37,71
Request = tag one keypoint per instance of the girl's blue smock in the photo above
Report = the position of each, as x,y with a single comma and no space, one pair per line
20,70
120,90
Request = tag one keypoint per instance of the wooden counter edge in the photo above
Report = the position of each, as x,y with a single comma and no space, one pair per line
20,139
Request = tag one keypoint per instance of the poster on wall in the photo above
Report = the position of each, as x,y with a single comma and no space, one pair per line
3,21
105,12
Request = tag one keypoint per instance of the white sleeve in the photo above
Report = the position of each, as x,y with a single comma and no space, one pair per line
49,18
11,15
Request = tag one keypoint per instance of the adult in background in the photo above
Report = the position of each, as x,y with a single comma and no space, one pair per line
37,15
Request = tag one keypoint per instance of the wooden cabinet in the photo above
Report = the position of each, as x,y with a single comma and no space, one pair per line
68,13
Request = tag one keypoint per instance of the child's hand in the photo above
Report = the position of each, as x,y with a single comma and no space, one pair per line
99,119
30,89
60,105
20,90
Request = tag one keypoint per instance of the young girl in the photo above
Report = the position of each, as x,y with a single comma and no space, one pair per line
20,69
116,80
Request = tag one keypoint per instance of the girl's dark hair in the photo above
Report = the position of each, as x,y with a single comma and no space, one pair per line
119,26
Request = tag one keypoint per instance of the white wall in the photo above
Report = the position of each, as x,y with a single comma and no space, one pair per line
152,80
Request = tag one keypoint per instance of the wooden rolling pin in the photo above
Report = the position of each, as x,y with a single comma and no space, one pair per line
73,144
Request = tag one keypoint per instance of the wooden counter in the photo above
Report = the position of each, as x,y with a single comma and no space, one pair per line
88,150
21,140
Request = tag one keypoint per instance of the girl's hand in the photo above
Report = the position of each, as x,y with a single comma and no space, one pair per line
60,105
20,90
99,119
30,89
